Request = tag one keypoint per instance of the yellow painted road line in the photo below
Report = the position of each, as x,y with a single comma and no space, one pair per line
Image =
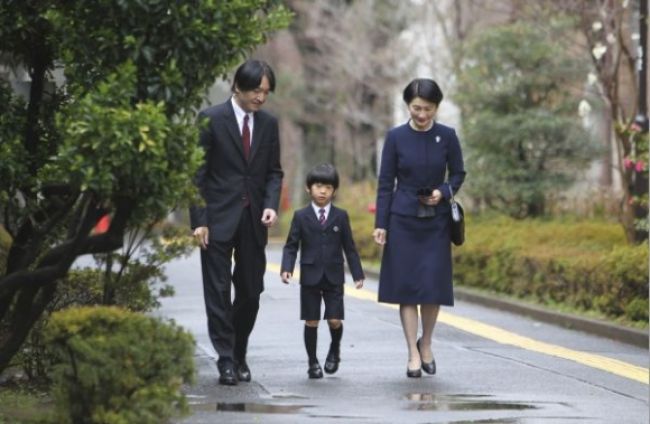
502,336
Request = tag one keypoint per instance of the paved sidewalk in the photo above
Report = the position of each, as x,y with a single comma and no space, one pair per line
478,381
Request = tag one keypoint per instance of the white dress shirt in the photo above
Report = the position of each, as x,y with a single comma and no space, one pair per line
317,208
239,114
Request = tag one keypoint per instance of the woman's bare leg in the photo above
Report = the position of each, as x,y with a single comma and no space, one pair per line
409,316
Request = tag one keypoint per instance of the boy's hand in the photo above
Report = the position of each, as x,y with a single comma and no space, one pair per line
380,236
358,284
286,276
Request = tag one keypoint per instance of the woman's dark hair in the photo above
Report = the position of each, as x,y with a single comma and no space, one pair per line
424,88
249,75
325,173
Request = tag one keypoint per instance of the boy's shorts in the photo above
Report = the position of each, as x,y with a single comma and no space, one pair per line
310,300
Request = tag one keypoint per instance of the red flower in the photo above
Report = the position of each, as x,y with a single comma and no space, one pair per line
628,163
640,166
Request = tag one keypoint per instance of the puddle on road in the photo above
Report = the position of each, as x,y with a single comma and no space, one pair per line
259,408
433,402
495,421
418,402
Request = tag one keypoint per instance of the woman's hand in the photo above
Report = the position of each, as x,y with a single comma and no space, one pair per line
434,199
380,236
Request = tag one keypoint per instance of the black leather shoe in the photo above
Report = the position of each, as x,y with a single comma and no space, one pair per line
332,362
243,372
315,371
227,376
428,367
413,373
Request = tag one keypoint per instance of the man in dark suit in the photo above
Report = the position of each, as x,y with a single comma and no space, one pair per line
322,233
240,181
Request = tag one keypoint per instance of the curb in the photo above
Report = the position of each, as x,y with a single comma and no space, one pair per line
609,330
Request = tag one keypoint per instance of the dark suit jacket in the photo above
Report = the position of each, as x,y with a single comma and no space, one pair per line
226,177
321,248
408,164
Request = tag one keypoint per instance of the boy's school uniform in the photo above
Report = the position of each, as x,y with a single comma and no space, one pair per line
321,247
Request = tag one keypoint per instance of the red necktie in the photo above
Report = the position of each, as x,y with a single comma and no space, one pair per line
321,216
246,137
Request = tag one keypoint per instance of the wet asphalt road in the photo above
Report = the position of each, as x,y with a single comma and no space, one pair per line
480,378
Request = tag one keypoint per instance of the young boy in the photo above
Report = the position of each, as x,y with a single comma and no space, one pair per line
322,233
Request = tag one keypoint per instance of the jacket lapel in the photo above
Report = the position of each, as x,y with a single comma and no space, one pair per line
311,216
331,218
233,128
257,135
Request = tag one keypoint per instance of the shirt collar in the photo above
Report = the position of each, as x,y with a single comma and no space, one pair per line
240,113
316,208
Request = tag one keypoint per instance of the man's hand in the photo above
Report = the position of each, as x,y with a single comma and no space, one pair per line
358,284
201,235
286,276
269,217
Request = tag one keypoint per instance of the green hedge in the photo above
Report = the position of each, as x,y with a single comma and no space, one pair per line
586,265
118,367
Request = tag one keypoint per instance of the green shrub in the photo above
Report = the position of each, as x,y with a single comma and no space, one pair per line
585,265
137,280
115,366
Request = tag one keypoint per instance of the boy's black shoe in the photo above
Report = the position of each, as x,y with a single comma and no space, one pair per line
315,370
332,362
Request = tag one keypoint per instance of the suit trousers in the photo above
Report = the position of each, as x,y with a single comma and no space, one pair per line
230,322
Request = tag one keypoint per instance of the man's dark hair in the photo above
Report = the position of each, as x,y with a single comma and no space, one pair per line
249,75
424,88
325,173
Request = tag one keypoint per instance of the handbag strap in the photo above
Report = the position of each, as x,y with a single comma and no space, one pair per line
451,192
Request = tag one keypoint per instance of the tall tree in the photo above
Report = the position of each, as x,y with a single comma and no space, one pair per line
351,57
609,29
117,138
520,120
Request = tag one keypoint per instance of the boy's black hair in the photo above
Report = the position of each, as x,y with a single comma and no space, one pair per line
424,88
325,173
249,75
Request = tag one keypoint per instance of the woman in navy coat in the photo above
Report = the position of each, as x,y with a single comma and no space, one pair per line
421,164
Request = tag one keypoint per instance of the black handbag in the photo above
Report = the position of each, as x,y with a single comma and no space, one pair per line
457,222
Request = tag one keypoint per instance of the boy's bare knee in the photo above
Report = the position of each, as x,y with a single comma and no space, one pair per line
334,323
311,323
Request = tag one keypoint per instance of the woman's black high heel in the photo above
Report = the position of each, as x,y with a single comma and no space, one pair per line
428,367
413,373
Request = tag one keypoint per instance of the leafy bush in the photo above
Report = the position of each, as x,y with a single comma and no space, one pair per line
587,265
116,366
136,282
